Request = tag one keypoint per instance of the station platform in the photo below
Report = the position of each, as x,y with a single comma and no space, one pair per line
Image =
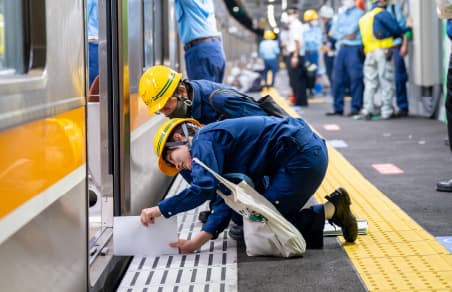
390,168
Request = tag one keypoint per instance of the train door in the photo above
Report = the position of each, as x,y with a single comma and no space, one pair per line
42,140
108,133
123,173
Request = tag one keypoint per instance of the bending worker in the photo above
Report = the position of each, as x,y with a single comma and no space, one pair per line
289,153
164,91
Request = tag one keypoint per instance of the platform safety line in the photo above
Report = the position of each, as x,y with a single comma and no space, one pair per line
397,254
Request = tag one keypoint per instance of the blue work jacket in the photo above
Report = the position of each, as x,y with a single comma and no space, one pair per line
385,25
347,23
226,105
254,146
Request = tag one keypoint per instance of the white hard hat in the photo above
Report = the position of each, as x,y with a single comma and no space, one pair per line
285,18
326,11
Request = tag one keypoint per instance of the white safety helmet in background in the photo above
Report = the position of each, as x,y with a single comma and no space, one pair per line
326,11
285,18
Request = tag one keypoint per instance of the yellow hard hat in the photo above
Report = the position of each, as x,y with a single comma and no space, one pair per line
157,85
310,15
160,138
269,35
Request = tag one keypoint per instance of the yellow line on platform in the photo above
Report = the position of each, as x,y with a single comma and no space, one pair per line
397,254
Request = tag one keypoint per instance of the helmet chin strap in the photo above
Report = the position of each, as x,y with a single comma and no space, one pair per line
176,144
183,108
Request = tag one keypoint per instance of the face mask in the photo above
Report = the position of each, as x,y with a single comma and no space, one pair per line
314,22
348,4
182,109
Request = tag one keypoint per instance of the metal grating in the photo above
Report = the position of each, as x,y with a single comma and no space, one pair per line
213,268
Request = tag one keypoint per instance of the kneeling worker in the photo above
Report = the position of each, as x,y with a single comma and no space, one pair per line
286,150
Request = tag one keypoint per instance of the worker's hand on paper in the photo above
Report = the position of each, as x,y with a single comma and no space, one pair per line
148,215
189,246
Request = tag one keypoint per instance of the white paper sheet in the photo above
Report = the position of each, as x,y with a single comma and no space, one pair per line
131,238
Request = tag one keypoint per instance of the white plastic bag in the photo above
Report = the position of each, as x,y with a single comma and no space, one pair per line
444,8
266,231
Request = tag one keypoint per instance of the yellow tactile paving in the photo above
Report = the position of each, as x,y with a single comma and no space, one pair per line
397,254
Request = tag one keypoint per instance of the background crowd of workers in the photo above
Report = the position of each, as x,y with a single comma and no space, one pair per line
363,53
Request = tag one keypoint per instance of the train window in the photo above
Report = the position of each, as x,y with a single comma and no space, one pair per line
22,37
152,29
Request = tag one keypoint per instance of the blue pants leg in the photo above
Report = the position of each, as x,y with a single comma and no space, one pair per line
401,78
93,61
295,182
340,80
206,61
354,67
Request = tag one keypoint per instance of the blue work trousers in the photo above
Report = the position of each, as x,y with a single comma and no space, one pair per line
329,64
206,60
401,78
294,183
273,66
348,68
93,61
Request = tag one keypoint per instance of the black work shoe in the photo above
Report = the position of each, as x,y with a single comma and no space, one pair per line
444,186
352,114
203,216
334,114
236,232
343,216
401,114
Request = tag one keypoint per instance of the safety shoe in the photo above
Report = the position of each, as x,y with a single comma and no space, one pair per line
343,216
444,186
236,232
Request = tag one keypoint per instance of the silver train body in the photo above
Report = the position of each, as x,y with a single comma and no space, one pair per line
59,142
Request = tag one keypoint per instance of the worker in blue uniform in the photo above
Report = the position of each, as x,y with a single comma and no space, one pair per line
163,90
400,51
348,64
286,150
313,41
446,186
204,54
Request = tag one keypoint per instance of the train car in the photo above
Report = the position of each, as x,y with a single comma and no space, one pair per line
74,154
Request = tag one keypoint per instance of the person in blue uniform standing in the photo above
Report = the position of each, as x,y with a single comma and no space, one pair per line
269,52
313,41
204,54
163,90
293,157
328,48
446,185
400,51
348,64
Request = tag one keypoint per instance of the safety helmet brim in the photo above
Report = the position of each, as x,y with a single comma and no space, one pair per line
160,139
